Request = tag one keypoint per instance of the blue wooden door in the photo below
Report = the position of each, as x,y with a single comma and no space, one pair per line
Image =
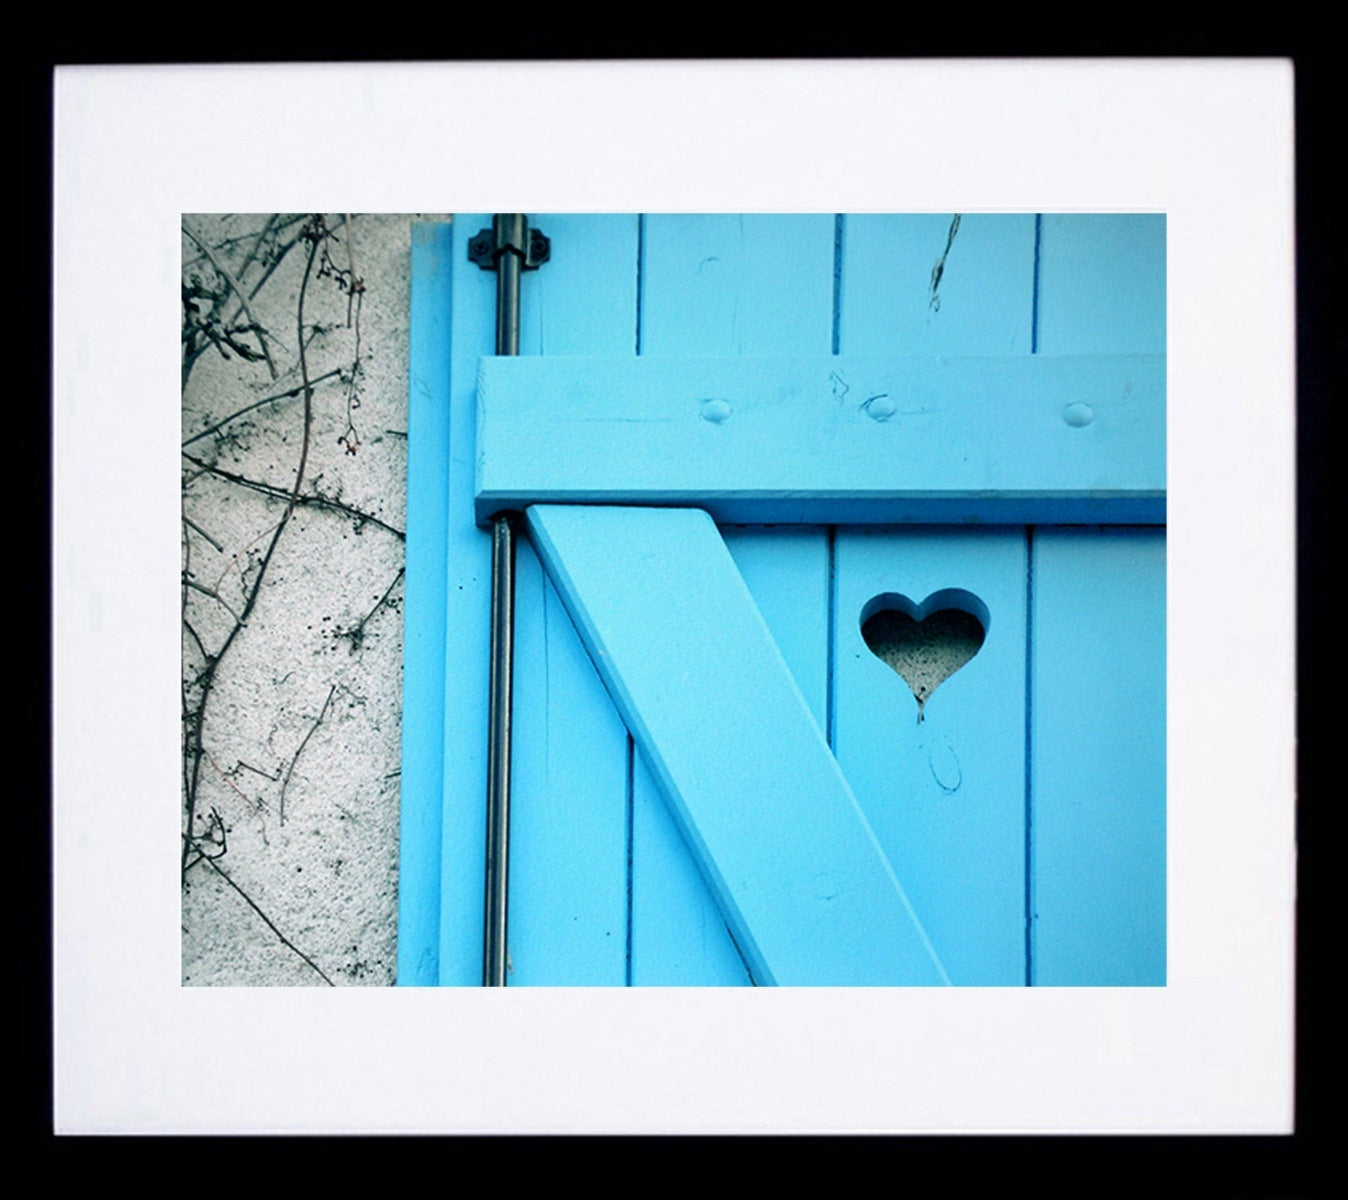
1017,808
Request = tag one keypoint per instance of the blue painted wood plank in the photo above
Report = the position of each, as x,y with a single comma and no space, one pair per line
680,935
773,440
467,619
946,796
1098,635
583,299
424,606
937,283
568,910
726,285
787,573
568,844
574,814
943,783
759,798
1102,284
1098,761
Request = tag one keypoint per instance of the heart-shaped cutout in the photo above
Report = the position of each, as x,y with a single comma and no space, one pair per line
925,643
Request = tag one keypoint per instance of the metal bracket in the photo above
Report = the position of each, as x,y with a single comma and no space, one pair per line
531,246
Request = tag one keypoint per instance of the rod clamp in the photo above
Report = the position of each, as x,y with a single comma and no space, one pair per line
531,246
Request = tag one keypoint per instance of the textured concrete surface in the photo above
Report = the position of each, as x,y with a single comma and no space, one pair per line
924,653
292,852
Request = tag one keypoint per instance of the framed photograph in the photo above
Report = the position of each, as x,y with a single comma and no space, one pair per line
967,367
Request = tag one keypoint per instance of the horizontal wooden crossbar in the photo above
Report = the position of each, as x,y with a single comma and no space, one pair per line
1012,440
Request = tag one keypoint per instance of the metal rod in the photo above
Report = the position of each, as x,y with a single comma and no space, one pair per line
498,751
510,230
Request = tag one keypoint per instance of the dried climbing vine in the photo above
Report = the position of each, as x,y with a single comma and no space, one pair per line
225,281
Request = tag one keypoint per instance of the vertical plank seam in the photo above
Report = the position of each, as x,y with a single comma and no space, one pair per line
1029,647
543,588
1034,299
830,698
631,790
837,281
830,694
631,746
1029,756
641,268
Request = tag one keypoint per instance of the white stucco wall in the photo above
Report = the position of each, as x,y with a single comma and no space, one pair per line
304,886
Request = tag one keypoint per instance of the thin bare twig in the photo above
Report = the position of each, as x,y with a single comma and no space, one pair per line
182,681
217,824
254,248
219,599
213,666
258,771
189,522
228,778
286,395
235,239
323,712
255,806
268,489
220,244
355,279
356,634
228,277
349,437
281,252
387,593
196,637
233,562
219,870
